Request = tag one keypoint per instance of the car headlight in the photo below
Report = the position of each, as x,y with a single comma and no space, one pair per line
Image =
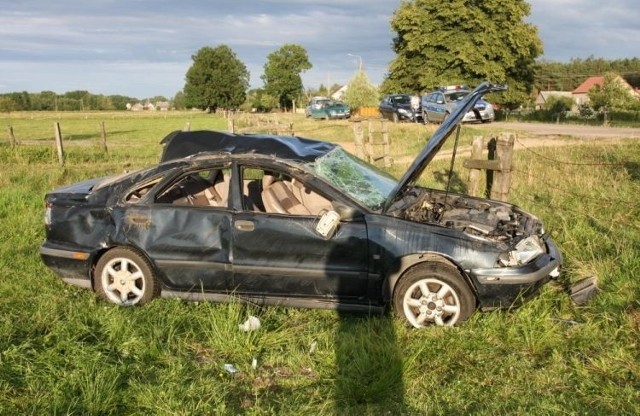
489,107
403,111
525,251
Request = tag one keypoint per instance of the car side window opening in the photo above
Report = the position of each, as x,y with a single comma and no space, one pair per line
203,188
136,195
277,193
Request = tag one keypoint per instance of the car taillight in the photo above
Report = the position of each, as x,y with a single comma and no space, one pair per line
47,213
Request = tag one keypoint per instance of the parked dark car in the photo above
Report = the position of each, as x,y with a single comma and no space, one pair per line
397,107
299,222
438,105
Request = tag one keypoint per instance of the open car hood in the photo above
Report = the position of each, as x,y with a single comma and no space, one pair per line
437,140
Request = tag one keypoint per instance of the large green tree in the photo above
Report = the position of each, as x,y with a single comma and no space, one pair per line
217,78
282,73
463,41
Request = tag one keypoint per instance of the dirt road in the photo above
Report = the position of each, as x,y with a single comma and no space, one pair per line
530,135
576,131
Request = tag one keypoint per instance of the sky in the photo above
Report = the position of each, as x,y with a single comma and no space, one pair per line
143,48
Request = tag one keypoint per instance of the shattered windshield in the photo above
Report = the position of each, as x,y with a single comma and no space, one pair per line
356,178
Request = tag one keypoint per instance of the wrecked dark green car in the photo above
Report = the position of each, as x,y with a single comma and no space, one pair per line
298,222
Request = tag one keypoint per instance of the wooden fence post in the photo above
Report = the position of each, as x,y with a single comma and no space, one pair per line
502,181
369,144
386,145
359,138
187,126
490,174
474,174
12,137
56,128
497,167
231,127
103,137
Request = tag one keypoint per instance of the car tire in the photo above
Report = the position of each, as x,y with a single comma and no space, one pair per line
395,118
433,293
446,116
124,277
425,118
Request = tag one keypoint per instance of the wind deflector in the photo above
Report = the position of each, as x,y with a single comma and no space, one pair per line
180,144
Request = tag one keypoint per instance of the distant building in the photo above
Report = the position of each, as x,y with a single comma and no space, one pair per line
338,95
581,94
162,106
543,97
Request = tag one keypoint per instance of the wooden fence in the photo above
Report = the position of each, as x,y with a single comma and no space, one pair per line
58,139
368,150
254,123
497,166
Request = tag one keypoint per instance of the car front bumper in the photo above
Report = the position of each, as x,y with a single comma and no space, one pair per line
501,287
485,115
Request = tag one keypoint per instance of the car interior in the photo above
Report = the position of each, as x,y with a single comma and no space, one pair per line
262,191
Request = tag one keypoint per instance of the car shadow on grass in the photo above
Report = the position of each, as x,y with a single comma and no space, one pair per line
368,359
369,366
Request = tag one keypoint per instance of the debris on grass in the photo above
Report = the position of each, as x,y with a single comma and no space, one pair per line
230,368
251,324
584,290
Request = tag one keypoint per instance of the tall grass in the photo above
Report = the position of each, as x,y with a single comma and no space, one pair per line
63,351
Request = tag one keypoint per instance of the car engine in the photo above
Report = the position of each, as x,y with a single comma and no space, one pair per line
489,219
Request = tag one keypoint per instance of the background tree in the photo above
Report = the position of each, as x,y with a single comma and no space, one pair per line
463,42
282,73
6,104
179,101
558,106
217,78
360,92
612,94
567,76
259,101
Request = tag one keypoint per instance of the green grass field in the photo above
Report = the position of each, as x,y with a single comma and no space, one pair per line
63,351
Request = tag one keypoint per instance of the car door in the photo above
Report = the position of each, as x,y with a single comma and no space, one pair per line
280,254
385,108
437,108
186,232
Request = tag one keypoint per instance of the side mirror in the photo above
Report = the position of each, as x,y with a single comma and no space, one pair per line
328,224
347,213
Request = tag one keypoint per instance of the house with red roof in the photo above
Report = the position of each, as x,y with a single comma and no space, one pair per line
580,94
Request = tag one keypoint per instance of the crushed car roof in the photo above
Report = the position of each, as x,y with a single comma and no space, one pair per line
180,144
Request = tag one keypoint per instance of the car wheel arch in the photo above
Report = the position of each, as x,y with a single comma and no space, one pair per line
98,255
406,263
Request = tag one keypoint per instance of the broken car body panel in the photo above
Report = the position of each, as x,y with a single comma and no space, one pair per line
227,216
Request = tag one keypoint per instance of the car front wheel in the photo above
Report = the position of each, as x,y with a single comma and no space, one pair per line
124,277
433,293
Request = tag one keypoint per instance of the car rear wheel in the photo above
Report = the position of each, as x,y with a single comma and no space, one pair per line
446,116
124,277
425,118
433,293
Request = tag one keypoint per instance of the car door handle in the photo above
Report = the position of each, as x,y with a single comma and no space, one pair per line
245,225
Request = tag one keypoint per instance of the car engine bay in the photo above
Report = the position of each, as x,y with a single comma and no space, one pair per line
493,220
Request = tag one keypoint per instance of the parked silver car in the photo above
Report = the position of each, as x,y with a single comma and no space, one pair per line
438,105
